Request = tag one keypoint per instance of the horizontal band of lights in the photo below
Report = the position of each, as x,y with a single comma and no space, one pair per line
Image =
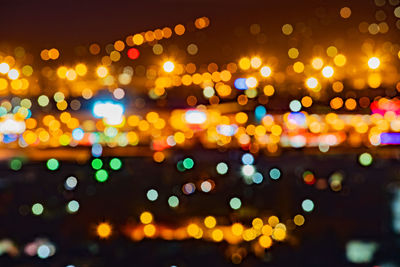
208,126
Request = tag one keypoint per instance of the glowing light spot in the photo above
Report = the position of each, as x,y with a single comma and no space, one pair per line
255,62
149,230
146,217
287,29
240,84
173,201
133,53
179,29
336,103
266,229
257,178
11,126
37,209
73,206
373,63
78,134
265,71
279,234
298,67
97,150
152,195
101,175
312,82
339,60
307,205
293,53
53,53
111,112
81,69
265,241
237,229
345,12
365,159
299,220
210,222
43,251
71,183
138,39
222,168
247,159
269,90
15,164
275,173
327,71
119,93
208,91
52,164
260,112
331,51
192,49
206,186
227,130
168,66
97,164
248,170
188,188
217,235
4,68
251,82
317,63
193,229
188,163
235,203
13,74
195,117
244,63
158,156
295,105
102,71
115,164
104,230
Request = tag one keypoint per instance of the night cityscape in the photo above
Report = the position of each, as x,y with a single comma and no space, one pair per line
200,133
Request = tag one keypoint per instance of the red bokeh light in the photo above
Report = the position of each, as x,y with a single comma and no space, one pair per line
133,53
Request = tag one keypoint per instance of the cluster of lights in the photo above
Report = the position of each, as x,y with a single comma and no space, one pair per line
271,131
101,174
246,81
261,233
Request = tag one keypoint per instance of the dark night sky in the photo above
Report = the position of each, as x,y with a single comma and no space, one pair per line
79,22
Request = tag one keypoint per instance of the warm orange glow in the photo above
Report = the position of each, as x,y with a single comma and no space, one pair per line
104,230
